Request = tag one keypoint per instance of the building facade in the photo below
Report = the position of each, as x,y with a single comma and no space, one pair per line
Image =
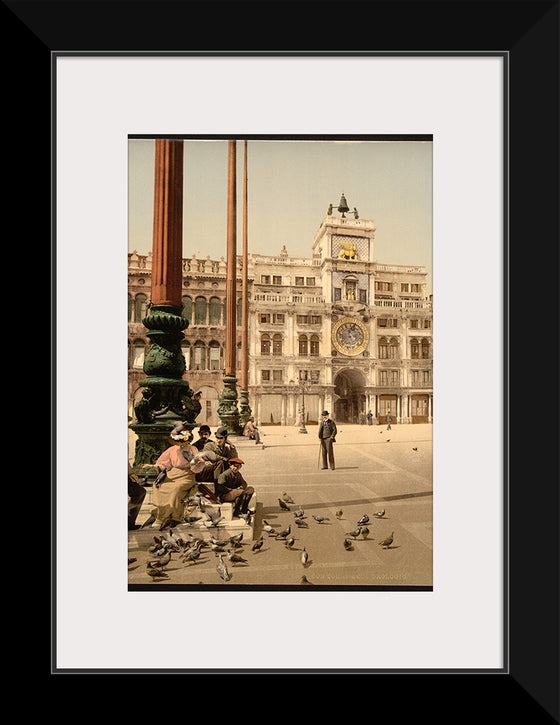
335,331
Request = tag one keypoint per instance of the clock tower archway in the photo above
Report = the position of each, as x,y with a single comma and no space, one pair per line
349,396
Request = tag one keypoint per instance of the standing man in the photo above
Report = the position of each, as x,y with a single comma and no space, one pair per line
327,436
389,418
369,417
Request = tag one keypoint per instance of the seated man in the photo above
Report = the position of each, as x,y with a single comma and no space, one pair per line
232,487
251,431
216,454
204,437
136,496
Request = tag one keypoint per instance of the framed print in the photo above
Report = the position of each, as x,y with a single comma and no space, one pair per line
470,619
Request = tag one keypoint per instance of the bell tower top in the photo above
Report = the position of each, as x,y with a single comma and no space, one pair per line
340,237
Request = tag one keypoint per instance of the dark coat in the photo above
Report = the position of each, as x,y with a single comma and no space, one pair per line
327,429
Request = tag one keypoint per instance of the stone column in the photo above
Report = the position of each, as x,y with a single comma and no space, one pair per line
244,408
227,409
166,397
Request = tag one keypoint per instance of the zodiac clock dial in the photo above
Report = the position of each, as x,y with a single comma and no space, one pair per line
350,336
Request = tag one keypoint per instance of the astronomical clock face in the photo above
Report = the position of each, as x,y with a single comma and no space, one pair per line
350,336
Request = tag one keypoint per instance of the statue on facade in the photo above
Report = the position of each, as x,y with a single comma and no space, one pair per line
348,251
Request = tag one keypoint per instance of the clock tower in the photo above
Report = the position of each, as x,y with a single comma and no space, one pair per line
344,244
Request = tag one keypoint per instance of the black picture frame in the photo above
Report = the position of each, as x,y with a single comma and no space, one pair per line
528,33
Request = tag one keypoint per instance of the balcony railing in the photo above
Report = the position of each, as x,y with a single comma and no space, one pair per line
295,298
404,304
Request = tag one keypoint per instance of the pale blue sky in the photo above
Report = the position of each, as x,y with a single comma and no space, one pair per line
290,186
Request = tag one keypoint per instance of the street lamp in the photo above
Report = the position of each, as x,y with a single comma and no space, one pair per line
303,386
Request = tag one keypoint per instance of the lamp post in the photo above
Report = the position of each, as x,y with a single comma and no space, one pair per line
303,387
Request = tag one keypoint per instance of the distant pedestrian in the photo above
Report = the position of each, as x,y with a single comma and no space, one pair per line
327,436
389,419
251,431
369,417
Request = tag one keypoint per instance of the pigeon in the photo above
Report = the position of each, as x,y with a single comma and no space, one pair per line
348,545
363,520
302,524
170,538
222,569
236,558
354,533
304,580
339,514
415,449
131,561
268,528
364,532
218,547
287,498
191,519
236,539
386,543
290,542
214,518
379,514
162,561
247,517
155,572
149,521
286,532
257,546
299,513
388,440
304,557
320,519
191,555
283,505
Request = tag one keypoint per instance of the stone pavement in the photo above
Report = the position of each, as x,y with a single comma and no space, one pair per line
376,470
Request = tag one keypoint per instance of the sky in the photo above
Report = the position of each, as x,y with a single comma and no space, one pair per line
290,184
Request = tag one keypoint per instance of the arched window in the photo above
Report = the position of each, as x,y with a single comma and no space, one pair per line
394,348
425,348
186,350
239,312
186,308
215,311
200,308
140,306
199,357
214,349
138,357
277,345
383,348
303,349
238,356
314,346
130,308
414,349
265,344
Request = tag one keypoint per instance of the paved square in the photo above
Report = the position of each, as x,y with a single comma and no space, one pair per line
376,470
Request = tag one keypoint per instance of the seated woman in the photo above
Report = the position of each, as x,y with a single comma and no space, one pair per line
177,484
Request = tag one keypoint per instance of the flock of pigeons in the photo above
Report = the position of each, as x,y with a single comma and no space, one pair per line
187,549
